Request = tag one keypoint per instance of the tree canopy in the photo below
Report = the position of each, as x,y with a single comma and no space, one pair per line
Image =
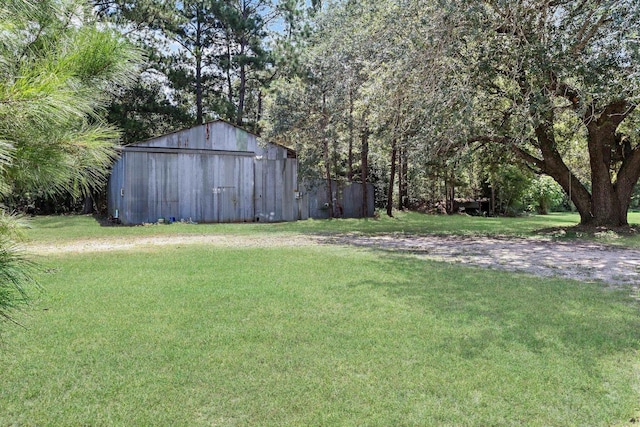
213,58
445,97
542,80
523,70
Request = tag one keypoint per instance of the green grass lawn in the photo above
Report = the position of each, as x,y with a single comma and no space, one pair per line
61,228
323,335
51,229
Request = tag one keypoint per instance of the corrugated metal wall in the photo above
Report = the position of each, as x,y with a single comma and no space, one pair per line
203,187
276,190
211,173
116,182
218,172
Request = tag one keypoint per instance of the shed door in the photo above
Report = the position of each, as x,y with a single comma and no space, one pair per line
232,189
163,186
225,199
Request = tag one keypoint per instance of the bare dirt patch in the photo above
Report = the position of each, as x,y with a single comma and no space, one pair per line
130,243
586,261
580,260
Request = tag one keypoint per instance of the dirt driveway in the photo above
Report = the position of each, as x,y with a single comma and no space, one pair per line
584,261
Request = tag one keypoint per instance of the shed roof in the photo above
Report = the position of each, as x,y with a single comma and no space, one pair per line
291,153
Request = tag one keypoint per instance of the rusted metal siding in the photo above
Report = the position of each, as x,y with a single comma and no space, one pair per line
211,173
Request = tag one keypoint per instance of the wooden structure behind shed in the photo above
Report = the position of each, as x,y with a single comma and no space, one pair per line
215,172
347,199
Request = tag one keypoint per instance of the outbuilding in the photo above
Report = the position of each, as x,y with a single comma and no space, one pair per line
214,172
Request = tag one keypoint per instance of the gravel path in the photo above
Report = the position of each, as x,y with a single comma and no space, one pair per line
128,243
584,261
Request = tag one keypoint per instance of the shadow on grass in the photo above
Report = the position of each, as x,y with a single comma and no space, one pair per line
486,308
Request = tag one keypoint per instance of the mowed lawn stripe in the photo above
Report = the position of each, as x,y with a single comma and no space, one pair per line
203,335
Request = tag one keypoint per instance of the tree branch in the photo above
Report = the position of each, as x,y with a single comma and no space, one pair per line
613,113
628,174
564,90
511,142
583,39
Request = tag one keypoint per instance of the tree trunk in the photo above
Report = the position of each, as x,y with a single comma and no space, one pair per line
604,206
325,154
446,192
229,62
451,193
328,177
241,95
198,55
553,165
364,154
242,88
434,194
493,200
259,112
392,175
335,159
350,159
610,199
199,110
404,180
608,202
87,204
402,170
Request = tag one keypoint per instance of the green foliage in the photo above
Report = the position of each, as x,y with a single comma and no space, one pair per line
59,70
544,195
324,103
293,113
534,77
512,183
144,111
16,270
437,77
211,58
50,95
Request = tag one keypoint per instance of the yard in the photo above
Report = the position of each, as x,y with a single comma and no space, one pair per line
264,324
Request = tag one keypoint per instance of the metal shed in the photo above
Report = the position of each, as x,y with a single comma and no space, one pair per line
215,172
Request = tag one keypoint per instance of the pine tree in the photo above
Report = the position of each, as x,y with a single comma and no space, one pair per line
54,85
